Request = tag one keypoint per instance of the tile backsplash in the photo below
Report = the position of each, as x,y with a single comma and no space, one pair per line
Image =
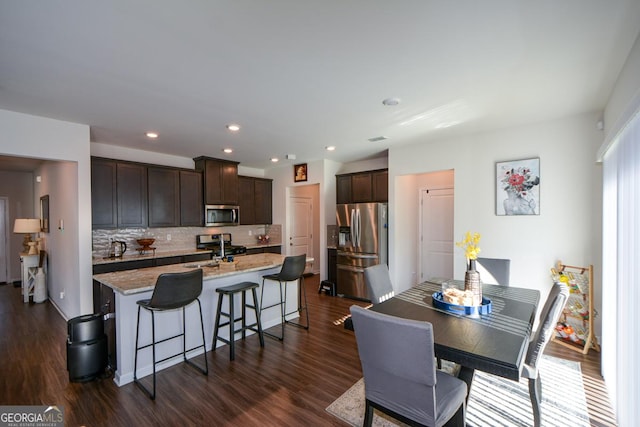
181,238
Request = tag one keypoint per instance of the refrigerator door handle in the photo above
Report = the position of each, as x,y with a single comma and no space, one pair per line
350,268
358,229
352,226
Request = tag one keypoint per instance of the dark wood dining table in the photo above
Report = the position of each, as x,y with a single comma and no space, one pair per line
495,343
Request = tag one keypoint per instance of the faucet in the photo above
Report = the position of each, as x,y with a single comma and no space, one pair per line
222,246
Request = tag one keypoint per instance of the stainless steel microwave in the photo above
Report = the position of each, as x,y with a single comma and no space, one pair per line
221,215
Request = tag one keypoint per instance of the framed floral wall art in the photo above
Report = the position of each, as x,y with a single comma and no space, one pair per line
518,187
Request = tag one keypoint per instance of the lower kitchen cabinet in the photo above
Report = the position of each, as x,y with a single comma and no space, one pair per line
265,250
104,302
332,265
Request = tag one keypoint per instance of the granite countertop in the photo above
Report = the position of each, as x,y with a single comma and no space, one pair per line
136,256
144,279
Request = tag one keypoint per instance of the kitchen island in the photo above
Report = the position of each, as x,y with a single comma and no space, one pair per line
133,285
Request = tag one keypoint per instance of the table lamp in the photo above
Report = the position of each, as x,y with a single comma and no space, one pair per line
27,226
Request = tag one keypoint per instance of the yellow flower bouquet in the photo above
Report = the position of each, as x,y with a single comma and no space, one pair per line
470,245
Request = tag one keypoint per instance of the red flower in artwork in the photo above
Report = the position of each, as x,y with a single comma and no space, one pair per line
516,180
519,180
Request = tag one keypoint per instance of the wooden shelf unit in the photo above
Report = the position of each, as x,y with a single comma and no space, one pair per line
578,311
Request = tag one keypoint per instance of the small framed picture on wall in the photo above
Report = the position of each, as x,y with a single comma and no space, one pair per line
518,187
300,172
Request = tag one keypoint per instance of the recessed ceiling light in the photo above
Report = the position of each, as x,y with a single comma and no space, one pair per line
233,127
228,150
330,148
390,102
274,159
152,135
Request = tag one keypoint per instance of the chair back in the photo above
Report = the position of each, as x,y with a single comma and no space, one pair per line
292,268
549,317
378,283
494,270
175,290
398,361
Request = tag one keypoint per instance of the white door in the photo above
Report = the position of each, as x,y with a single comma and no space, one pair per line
4,239
436,248
301,235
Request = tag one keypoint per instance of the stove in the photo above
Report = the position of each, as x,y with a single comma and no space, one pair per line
212,242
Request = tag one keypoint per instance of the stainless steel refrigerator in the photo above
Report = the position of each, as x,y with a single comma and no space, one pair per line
362,242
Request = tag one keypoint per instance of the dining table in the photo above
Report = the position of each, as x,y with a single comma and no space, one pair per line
495,342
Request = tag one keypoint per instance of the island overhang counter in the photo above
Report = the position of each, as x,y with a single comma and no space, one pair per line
134,285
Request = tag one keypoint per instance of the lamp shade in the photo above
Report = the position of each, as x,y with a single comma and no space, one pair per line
26,225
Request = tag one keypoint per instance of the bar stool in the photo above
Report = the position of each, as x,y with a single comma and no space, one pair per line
172,291
230,291
292,270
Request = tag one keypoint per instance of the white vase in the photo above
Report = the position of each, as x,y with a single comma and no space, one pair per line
40,287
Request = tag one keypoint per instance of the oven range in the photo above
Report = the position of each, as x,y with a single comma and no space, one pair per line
215,243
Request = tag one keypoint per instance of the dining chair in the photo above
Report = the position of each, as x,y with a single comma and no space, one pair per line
548,319
494,270
378,283
400,376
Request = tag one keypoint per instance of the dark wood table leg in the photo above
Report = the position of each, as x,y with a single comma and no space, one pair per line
466,375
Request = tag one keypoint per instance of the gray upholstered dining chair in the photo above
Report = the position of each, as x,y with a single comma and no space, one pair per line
378,283
400,376
548,319
494,270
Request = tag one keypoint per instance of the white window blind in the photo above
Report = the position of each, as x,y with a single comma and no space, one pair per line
621,273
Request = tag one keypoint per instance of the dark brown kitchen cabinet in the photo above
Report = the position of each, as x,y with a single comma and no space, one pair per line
191,205
362,187
264,250
255,200
220,180
343,189
380,183
104,207
118,194
104,302
361,191
132,195
164,197
332,265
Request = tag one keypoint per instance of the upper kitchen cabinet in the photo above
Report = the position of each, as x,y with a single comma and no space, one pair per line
255,200
220,180
118,194
131,183
175,197
191,205
164,197
363,187
104,208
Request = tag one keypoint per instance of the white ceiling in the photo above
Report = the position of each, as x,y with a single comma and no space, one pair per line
301,75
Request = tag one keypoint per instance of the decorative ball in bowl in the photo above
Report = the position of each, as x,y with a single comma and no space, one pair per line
146,242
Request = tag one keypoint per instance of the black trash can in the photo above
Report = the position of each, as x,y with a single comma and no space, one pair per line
86,348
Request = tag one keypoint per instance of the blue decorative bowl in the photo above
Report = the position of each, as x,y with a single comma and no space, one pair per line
463,310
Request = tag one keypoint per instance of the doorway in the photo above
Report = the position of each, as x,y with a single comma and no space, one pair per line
436,233
303,230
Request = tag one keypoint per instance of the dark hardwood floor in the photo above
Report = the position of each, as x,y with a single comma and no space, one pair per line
287,383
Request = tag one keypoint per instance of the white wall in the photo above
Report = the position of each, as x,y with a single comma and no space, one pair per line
41,138
319,172
567,229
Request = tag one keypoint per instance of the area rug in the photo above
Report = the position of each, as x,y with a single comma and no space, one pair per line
496,401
